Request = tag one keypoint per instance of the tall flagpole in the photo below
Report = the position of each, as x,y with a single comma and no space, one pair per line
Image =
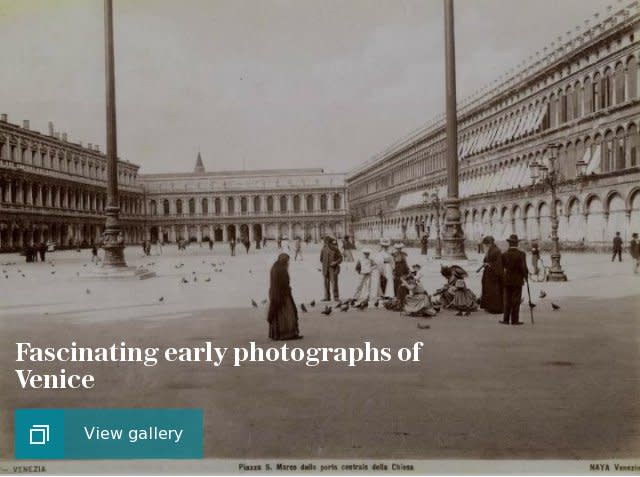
453,236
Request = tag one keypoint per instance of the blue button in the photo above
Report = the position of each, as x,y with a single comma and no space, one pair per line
108,433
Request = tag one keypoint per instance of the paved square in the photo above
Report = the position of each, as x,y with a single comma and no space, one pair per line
566,387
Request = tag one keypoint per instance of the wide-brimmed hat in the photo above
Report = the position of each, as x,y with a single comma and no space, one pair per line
488,240
385,242
513,238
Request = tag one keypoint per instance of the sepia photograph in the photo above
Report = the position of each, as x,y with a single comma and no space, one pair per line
313,237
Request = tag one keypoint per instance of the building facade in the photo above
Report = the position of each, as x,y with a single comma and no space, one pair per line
219,206
52,189
580,95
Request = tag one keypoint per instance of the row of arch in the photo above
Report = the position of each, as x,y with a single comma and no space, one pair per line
234,205
593,218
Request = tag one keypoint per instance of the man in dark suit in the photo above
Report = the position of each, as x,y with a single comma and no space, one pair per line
330,257
617,247
516,272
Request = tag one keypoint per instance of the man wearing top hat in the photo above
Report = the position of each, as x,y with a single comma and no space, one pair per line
516,272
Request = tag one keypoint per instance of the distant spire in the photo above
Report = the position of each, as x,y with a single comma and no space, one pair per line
199,169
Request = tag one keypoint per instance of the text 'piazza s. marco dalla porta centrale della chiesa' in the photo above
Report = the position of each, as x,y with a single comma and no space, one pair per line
574,103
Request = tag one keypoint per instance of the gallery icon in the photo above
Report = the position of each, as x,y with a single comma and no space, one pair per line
39,434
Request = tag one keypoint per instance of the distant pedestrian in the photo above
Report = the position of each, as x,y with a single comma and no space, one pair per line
347,249
94,254
516,273
535,257
330,258
246,243
279,242
210,244
424,244
285,244
264,241
634,250
480,243
298,249
232,246
42,249
617,247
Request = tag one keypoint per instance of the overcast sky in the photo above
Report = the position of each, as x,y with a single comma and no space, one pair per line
264,83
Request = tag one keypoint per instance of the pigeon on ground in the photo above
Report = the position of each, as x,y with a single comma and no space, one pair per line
303,308
313,303
345,307
423,327
253,303
53,273
376,303
161,299
554,306
326,311
184,280
207,279
264,302
543,293
193,273
195,279
363,305
88,291
532,305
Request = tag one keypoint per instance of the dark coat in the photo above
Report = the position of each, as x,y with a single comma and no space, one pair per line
617,243
331,258
492,279
514,262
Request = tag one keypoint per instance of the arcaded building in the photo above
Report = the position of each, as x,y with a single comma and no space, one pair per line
581,94
52,189
221,205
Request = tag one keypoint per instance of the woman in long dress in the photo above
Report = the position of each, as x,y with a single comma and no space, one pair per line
491,299
417,302
283,314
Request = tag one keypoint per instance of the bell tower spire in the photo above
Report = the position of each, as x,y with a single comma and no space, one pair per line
199,169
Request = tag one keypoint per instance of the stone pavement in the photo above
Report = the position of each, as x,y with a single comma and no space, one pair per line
566,387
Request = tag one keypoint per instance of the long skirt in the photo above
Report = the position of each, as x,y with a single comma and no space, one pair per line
363,292
283,321
419,305
492,294
389,290
464,300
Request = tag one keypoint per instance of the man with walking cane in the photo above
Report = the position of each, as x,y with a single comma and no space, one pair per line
516,272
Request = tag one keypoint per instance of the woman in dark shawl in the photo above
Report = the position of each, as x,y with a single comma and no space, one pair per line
283,314
491,299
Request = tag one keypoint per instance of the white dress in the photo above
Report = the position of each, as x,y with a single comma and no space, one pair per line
384,267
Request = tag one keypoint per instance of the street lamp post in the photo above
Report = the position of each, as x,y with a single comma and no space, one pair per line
550,177
433,202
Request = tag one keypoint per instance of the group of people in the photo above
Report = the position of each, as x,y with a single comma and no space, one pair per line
504,275
33,251
634,250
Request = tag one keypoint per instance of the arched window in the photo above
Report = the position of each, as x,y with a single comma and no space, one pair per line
618,79
179,206
192,206
270,204
309,202
337,202
619,159
595,93
256,204
296,203
607,152
153,210
243,205
632,78
283,203
205,206
633,144
323,202
230,205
